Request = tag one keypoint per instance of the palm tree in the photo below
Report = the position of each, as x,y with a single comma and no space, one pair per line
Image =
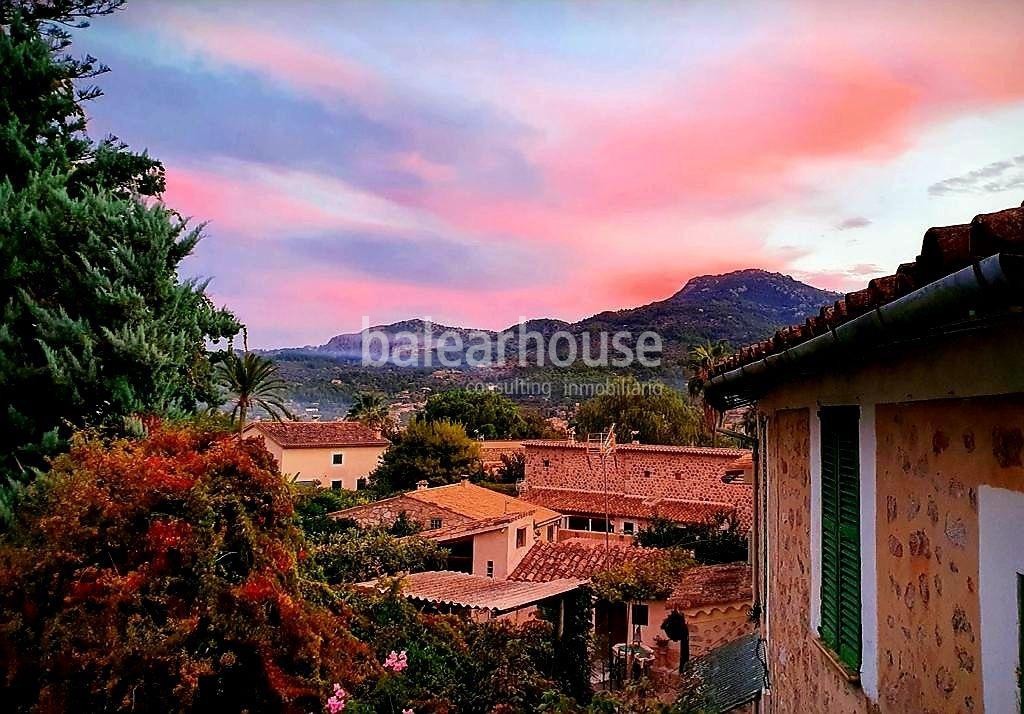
371,409
253,383
701,358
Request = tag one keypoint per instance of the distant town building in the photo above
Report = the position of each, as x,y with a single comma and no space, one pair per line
333,454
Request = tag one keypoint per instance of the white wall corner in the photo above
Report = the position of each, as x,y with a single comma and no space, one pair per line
868,556
1000,560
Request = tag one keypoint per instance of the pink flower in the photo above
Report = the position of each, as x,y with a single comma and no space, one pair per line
396,661
338,700
408,711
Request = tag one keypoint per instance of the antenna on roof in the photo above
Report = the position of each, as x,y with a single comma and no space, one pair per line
602,444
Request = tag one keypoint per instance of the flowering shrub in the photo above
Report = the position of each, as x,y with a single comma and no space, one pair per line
163,570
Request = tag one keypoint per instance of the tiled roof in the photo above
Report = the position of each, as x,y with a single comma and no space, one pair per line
731,675
579,558
744,462
446,587
566,500
704,585
475,501
944,251
661,448
312,434
492,451
461,530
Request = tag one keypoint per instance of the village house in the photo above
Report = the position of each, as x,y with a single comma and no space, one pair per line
890,485
637,484
714,600
486,532
334,454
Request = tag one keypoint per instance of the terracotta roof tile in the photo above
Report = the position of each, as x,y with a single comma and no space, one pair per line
474,501
566,500
312,434
666,448
944,250
461,530
704,585
579,558
445,587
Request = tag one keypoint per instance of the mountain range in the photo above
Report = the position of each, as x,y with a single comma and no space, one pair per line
739,307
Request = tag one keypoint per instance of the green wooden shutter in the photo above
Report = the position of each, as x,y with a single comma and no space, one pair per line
840,534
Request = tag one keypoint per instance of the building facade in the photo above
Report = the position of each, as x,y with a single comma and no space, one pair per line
637,484
332,454
890,485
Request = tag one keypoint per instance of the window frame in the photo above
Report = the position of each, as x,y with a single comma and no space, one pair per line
521,537
840,592
435,523
337,458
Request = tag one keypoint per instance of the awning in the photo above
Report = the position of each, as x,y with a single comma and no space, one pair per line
445,587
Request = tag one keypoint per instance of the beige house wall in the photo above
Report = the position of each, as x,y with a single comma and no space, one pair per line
939,421
499,546
308,464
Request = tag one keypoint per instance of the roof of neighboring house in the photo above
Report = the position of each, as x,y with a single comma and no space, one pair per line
661,448
492,451
463,530
318,434
474,501
464,499
477,592
579,558
743,463
945,251
731,675
566,500
704,585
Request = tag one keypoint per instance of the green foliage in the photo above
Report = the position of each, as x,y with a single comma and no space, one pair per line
371,408
141,573
456,664
648,413
95,324
253,384
484,415
438,452
512,469
722,540
356,555
313,503
643,580
571,665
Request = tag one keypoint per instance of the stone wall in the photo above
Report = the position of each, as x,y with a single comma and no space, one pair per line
932,457
640,471
802,677
387,511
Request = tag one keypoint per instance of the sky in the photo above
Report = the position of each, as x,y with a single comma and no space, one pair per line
478,163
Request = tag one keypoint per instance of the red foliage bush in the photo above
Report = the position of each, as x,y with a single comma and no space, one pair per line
160,574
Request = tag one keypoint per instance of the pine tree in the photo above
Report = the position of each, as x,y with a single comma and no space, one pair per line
95,323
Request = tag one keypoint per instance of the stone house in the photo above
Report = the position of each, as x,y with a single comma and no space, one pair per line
715,600
486,532
889,485
683,484
334,454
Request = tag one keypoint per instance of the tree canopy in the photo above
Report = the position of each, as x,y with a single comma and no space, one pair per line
483,414
648,413
437,452
95,322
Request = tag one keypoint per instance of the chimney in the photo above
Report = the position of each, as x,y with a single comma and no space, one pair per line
421,485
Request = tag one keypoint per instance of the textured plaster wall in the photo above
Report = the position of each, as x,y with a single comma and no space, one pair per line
803,680
932,457
387,511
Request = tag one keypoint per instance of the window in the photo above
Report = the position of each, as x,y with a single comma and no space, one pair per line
338,458
640,615
336,485
360,484
520,537
551,533
600,525
628,527
647,473
840,626
578,523
490,568
435,523
547,463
